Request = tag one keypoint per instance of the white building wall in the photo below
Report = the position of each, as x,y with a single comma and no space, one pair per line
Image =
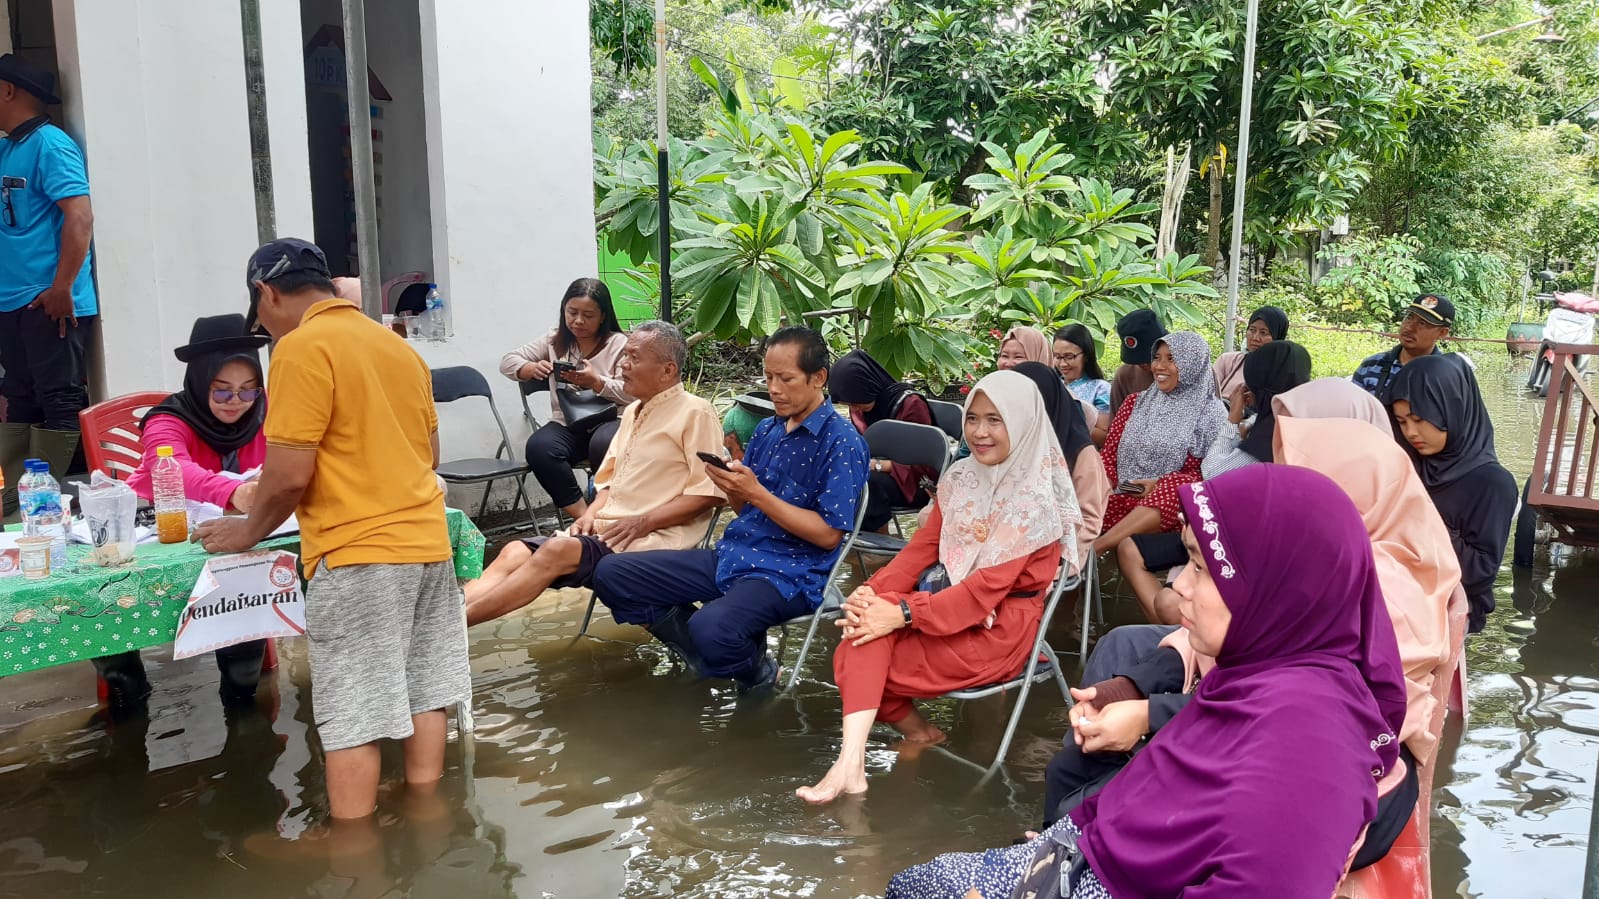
5,27
511,176
158,103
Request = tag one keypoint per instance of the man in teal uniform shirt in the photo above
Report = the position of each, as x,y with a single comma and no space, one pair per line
47,301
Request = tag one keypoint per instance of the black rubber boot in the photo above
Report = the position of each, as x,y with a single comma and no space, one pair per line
760,678
240,667
127,687
672,630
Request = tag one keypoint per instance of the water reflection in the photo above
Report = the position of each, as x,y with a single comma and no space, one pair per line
598,769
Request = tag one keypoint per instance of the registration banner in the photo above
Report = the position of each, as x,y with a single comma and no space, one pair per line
250,596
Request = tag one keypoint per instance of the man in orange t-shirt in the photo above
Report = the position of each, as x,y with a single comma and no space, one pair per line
352,440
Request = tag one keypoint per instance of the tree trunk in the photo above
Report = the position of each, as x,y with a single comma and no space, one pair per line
1171,201
959,193
1213,244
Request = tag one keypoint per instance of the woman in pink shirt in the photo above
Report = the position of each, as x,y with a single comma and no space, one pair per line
213,425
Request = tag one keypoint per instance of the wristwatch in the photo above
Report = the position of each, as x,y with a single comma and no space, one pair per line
905,609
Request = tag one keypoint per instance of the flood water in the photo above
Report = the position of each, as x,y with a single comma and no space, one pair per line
598,770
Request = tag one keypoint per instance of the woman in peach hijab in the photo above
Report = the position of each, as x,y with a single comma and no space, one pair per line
1416,567
1408,539
1023,344
1332,398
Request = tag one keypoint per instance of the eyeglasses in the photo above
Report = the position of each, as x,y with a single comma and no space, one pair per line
1067,357
10,211
227,396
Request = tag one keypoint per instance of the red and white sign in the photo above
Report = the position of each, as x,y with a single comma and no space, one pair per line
250,596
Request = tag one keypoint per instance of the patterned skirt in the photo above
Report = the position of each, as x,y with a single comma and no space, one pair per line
994,874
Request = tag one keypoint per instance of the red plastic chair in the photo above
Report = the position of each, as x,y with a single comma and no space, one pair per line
112,439
113,442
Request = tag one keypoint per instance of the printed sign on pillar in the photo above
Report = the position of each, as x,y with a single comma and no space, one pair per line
250,596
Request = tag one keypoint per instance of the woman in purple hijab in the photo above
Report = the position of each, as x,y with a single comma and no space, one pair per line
1262,784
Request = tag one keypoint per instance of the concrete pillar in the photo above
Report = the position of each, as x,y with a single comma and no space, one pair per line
285,90
510,171
158,102
5,27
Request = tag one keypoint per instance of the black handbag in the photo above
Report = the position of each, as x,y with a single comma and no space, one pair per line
1056,867
934,579
583,409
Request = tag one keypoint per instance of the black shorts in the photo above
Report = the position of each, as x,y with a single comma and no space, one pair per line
1161,552
594,549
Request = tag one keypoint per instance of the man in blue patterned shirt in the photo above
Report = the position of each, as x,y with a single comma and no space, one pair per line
795,495
1426,322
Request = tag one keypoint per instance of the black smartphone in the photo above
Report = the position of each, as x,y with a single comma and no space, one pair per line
564,367
713,460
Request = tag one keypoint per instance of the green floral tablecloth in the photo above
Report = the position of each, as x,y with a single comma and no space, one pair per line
91,611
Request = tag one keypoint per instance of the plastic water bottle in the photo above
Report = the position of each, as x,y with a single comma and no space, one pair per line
25,497
171,504
48,517
434,326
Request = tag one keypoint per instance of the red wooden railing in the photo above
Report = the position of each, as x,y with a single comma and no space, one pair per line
1565,462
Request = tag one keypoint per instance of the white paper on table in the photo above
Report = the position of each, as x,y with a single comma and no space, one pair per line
199,513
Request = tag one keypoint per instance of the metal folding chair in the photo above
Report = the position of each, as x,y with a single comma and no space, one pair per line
832,604
540,385
902,443
459,382
1042,665
705,543
950,418
1088,576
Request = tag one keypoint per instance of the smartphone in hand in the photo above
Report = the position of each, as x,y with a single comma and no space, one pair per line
713,460
564,367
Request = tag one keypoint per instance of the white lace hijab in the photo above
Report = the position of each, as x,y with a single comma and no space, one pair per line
996,513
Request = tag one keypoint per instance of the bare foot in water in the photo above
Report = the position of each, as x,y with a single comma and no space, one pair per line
841,779
913,728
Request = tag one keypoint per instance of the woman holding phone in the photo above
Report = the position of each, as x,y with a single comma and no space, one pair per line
582,352
1159,439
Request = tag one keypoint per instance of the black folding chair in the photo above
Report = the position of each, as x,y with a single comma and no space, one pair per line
460,382
950,418
831,606
903,443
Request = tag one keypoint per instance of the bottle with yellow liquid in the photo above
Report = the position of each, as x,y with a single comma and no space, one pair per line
171,505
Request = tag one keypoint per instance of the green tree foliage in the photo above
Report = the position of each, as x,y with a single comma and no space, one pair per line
774,223
929,82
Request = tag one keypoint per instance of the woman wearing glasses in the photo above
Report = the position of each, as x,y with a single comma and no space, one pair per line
213,425
1078,364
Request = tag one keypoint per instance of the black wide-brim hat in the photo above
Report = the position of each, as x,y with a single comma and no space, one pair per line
219,334
39,82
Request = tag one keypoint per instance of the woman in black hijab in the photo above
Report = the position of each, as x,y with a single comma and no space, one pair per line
1270,371
1445,428
1065,410
1067,415
862,383
1266,325
213,425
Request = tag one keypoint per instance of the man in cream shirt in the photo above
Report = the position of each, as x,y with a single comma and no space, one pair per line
652,490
